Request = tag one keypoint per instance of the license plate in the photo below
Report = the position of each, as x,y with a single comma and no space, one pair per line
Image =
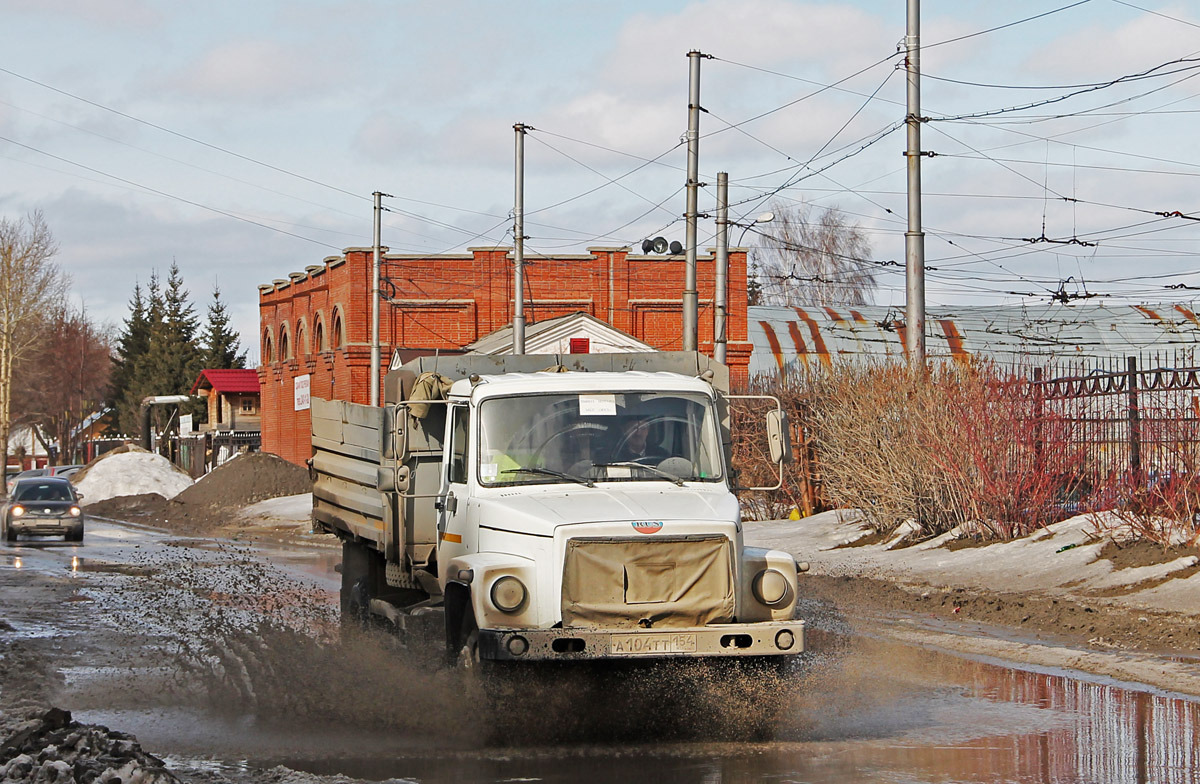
651,644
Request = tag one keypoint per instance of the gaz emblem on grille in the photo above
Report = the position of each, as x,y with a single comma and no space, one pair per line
647,526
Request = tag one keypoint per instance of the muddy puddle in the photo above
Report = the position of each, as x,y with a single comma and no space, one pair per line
227,664
882,712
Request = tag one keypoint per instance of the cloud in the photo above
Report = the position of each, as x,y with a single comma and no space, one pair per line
135,14
256,70
1098,52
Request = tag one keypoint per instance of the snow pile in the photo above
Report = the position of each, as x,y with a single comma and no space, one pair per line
55,748
288,509
1065,556
131,473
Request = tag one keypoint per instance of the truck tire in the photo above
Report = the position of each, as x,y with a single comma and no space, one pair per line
9,534
356,584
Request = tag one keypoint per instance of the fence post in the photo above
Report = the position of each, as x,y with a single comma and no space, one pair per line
1135,419
1039,414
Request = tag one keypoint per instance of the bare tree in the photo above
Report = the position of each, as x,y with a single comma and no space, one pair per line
64,380
32,288
814,256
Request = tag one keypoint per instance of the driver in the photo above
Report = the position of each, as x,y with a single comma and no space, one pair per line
633,443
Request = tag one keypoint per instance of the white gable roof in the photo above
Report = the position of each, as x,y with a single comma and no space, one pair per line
553,336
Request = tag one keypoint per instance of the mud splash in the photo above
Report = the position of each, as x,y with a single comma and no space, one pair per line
223,632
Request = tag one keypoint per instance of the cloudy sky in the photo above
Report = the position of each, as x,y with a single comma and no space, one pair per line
244,140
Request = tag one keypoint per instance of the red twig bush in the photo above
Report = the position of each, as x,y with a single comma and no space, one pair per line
968,447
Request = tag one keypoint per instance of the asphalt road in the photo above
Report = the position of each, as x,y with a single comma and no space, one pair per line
224,658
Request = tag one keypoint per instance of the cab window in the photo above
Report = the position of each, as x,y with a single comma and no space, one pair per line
459,427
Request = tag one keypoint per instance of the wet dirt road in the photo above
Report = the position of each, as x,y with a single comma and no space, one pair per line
194,647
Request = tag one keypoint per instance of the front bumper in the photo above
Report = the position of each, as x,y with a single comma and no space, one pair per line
774,638
46,526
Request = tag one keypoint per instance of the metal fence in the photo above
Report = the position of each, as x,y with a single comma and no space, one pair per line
1136,418
199,453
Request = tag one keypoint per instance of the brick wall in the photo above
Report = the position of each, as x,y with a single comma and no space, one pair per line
318,322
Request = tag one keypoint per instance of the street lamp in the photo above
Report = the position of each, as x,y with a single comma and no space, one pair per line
766,217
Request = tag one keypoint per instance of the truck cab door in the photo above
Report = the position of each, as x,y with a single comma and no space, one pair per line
454,536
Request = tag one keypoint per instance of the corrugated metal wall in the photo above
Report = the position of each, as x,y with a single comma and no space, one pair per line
808,335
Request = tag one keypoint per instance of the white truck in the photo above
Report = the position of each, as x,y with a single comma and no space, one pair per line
546,511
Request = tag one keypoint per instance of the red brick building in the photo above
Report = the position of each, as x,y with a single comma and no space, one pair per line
315,325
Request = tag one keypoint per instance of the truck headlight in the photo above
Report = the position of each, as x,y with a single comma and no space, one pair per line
771,587
17,511
508,594
75,511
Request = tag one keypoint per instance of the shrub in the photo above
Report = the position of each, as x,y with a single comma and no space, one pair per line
968,447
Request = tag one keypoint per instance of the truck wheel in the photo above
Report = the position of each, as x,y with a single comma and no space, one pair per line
9,534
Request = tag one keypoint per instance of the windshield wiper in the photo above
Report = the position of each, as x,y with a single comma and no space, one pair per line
634,464
550,472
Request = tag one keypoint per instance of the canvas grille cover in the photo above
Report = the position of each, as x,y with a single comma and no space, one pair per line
670,582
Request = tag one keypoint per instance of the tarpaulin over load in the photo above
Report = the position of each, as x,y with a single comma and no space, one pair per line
668,582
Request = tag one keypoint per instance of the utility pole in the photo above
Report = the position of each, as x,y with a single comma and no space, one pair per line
518,331
375,303
722,281
914,238
690,297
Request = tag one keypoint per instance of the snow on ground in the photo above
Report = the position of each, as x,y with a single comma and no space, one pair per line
295,509
132,473
1034,563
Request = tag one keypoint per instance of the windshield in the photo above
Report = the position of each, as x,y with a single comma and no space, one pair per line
626,436
42,492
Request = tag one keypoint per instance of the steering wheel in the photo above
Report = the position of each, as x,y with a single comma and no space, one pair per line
571,432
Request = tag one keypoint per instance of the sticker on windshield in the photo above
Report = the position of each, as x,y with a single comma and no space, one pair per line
488,471
597,405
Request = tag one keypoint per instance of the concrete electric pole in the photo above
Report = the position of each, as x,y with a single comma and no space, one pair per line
690,297
375,301
914,238
518,324
722,276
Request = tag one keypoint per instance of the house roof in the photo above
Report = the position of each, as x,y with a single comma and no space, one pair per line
237,381
553,336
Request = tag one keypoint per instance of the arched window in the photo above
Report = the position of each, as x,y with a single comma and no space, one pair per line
285,344
302,349
339,329
268,347
319,335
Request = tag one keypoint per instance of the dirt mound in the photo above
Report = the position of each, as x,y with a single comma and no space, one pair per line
212,502
247,479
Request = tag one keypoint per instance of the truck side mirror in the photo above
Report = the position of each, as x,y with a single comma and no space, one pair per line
779,437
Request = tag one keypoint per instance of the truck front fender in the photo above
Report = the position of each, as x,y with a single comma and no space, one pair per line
756,563
472,580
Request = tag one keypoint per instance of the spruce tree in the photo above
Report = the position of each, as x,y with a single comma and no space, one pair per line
221,344
132,342
144,323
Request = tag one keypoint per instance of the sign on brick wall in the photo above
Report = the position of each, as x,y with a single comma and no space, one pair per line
303,401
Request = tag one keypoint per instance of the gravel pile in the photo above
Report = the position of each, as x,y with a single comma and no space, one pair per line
54,749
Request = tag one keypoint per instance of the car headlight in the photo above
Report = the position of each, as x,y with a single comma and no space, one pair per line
771,587
17,511
76,511
508,594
